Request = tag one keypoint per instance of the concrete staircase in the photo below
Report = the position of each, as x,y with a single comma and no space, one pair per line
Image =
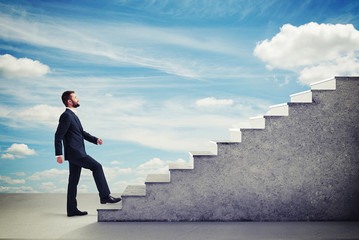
298,162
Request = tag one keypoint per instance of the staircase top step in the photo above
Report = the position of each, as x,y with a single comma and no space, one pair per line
135,191
158,178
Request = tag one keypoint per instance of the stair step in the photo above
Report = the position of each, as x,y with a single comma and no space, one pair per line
180,166
134,191
213,147
158,178
257,122
201,153
235,134
302,97
328,84
278,110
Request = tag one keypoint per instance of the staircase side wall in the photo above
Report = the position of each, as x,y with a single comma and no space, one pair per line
304,166
301,167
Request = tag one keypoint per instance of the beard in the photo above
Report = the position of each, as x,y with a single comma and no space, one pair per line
76,105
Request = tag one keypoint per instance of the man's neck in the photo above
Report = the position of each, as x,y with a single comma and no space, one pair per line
72,109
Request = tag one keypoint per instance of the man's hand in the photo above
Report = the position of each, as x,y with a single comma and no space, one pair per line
60,159
99,141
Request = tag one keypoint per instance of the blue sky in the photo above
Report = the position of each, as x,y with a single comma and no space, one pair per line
155,79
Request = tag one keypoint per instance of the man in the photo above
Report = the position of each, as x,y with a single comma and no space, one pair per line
70,132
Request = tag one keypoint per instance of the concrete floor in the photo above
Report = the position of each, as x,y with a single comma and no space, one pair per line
43,216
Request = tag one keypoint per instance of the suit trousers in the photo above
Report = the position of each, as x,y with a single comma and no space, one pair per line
75,167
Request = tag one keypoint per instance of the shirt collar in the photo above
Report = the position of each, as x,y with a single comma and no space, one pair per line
73,110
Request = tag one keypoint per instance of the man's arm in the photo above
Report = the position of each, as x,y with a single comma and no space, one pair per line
90,138
64,124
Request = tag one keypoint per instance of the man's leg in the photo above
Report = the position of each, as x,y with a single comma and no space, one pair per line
74,177
97,172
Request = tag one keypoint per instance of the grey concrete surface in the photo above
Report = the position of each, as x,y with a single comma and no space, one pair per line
42,216
304,166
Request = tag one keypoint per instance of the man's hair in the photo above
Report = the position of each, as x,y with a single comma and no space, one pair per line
66,96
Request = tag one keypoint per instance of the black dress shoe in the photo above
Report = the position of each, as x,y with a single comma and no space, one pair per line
110,199
77,213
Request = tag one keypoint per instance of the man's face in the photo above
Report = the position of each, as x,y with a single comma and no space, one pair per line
74,100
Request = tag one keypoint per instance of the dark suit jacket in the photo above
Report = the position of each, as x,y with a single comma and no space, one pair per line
70,132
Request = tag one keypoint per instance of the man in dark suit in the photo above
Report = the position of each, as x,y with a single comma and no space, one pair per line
71,133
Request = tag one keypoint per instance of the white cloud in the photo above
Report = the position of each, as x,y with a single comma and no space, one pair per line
50,187
213,102
42,113
83,188
321,50
10,180
47,186
281,82
18,151
48,174
344,66
21,174
36,116
154,163
22,189
8,156
155,166
114,172
11,67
